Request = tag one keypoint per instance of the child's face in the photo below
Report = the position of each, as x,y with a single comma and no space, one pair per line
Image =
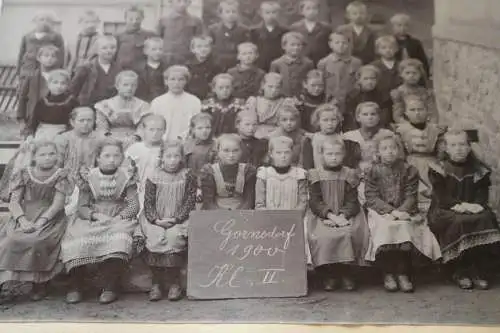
223,89
126,87
333,155
339,45
388,150
47,59
229,14
457,147
43,24
45,157
247,127
288,122
328,122
310,10
201,48
180,6
416,112
400,28
272,88
83,122
387,50
293,47
411,75
89,24
357,15
314,86
133,20
175,82
229,152
172,159
202,130
154,51
153,131
247,55
269,13
368,117
368,80
106,50
281,156
110,158
57,85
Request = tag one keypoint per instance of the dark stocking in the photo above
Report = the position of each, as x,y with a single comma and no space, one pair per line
76,277
158,275
112,271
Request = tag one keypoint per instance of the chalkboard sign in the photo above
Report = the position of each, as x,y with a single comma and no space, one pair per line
246,254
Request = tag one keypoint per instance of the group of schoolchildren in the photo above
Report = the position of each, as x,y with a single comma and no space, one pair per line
141,129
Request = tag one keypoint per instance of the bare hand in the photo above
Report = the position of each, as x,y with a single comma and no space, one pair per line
199,195
166,223
458,208
26,226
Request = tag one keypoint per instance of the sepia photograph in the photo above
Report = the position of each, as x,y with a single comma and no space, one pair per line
250,161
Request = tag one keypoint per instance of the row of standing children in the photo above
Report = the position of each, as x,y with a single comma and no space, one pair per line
223,173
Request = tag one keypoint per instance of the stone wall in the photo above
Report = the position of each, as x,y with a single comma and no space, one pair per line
467,75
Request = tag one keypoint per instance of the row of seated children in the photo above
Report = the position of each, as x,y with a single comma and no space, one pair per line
178,28
108,226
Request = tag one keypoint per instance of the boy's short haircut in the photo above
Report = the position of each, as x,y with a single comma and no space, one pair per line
124,74
150,117
327,107
279,140
356,5
151,40
228,137
338,34
292,35
227,3
221,76
48,48
89,14
364,105
45,14
62,73
269,3
204,38
400,17
303,3
367,68
247,44
314,74
134,9
389,39
178,69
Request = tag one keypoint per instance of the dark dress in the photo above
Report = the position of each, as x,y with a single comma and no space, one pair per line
316,47
223,114
454,183
198,153
229,187
356,97
254,151
312,156
247,82
150,84
307,104
54,110
131,46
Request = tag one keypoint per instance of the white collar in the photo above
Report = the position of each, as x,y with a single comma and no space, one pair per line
105,67
358,30
40,35
154,65
310,25
389,63
270,28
